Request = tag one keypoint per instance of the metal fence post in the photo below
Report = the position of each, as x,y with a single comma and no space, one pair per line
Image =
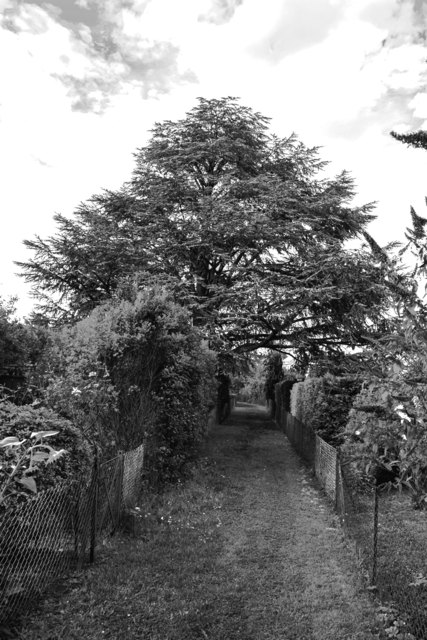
375,538
337,483
120,489
94,510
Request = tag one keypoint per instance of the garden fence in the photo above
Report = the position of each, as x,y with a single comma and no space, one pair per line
58,530
390,536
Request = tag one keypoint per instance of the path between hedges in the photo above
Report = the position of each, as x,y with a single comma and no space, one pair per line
286,528
251,552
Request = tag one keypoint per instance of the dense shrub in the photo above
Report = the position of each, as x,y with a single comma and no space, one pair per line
324,404
386,435
135,370
21,422
312,399
339,393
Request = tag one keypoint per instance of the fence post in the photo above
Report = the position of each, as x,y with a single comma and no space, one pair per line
76,523
375,538
337,484
94,510
120,489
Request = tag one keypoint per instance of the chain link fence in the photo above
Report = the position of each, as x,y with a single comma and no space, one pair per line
58,530
390,537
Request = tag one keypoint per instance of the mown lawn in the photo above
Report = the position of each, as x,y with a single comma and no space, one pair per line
246,550
165,583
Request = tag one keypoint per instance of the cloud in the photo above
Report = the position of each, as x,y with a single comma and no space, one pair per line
101,48
419,9
220,11
301,24
400,63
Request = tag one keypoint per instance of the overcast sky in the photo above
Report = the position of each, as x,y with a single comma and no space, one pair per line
83,81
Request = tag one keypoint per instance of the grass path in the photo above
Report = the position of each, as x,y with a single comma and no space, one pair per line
247,550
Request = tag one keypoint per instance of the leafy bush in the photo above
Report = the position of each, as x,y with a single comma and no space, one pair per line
20,422
324,404
386,435
134,370
339,393
312,399
22,459
182,402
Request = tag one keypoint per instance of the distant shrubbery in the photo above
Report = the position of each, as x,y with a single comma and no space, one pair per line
21,345
253,384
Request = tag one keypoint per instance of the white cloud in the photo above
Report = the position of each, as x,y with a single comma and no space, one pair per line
419,105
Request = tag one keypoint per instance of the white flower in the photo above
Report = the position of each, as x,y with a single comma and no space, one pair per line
92,374
403,417
75,391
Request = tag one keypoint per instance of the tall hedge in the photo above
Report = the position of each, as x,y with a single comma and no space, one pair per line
284,390
297,408
324,403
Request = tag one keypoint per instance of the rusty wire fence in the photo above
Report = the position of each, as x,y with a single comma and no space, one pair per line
389,536
59,529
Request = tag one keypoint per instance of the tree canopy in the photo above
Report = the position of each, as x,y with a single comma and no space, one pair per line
239,223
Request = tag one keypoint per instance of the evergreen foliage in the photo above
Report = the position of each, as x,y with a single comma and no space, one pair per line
21,345
243,227
324,403
283,393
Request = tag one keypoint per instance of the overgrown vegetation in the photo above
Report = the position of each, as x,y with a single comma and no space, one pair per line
227,236
21,422
324,403
135,370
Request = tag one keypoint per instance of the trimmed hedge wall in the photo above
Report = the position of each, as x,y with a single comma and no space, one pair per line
324,404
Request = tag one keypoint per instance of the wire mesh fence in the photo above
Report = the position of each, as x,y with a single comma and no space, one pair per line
42,539
390,537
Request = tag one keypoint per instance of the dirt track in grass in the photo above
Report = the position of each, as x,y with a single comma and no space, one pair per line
250,551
